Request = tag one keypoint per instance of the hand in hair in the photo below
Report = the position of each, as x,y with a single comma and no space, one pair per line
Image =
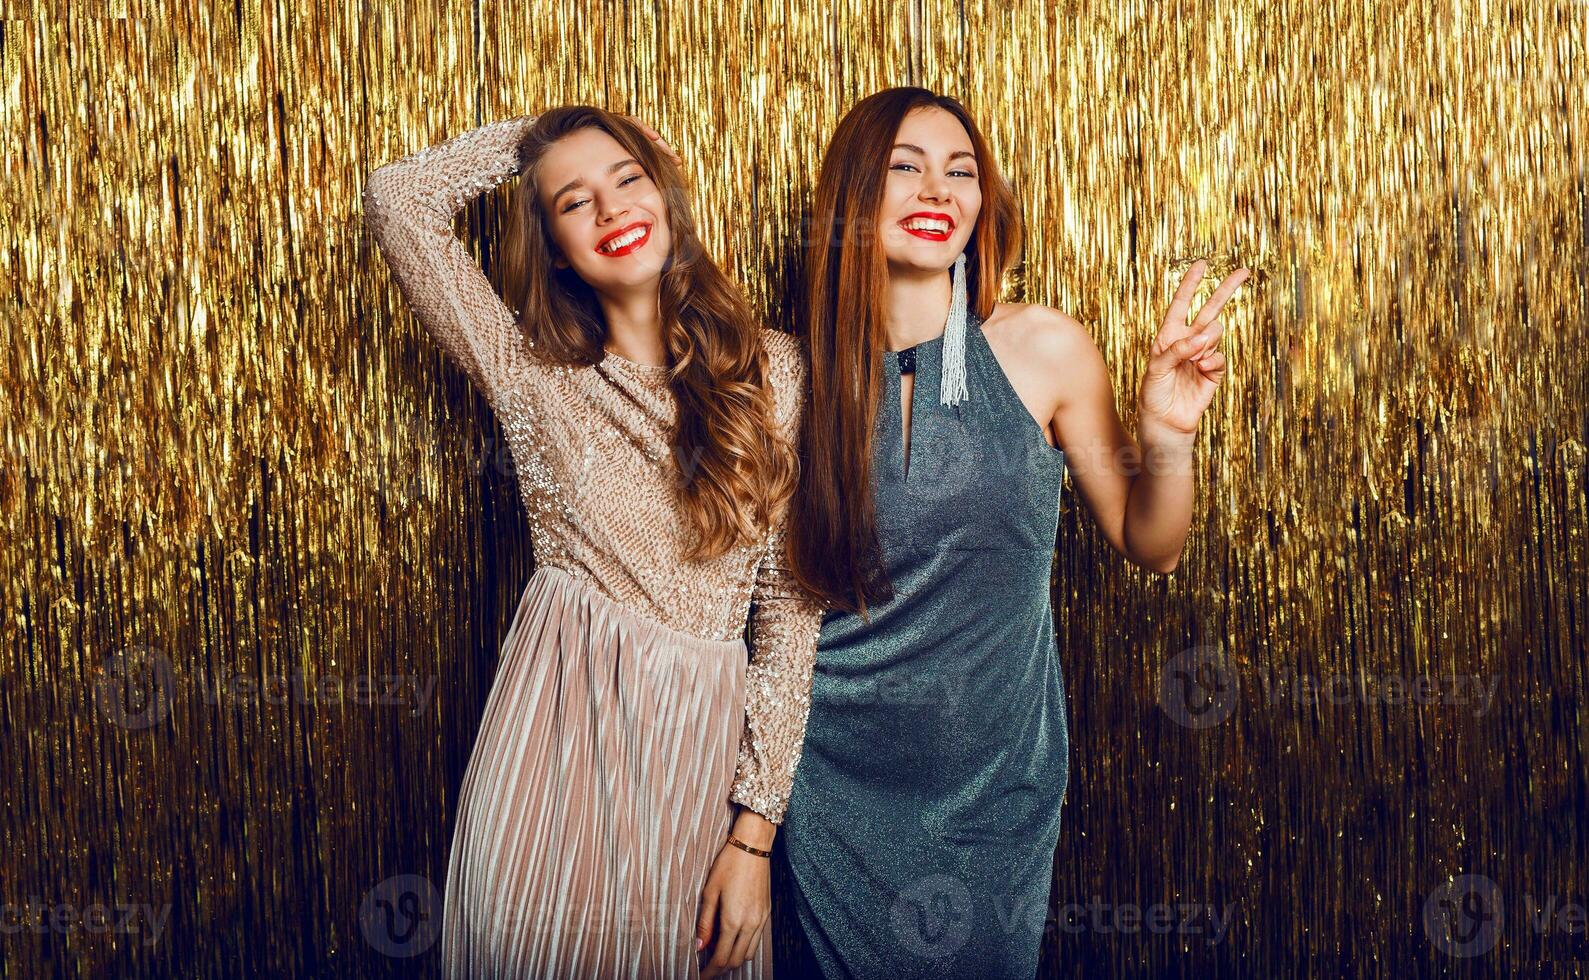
656,138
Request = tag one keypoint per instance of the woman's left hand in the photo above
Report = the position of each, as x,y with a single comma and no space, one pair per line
735,907
1186,364
656,138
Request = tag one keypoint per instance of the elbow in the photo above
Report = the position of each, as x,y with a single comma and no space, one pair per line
380,175
375,193
1167,564
1162,565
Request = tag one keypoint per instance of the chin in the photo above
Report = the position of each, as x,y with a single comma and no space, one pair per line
624,281
923,260
614,276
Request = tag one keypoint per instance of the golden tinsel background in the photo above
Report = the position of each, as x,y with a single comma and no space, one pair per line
259,542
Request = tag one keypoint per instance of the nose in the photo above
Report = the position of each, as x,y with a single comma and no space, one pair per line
609,209
935,188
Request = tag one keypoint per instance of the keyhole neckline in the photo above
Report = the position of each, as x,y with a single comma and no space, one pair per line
919,344
905,359
910,420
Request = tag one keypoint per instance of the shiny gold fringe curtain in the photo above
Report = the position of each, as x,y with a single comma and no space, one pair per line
260,542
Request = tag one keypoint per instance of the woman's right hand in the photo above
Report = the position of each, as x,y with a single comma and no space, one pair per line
656,138
735,906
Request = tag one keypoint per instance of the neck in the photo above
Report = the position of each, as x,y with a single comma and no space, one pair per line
634,325
916,305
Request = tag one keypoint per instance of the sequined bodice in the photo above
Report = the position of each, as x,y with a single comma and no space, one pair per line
593,450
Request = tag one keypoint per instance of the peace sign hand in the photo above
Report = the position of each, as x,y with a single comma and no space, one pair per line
1186,364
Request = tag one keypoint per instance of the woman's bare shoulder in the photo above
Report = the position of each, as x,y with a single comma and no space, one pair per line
1037,333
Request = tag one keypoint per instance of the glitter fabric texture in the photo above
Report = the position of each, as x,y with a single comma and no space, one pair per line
593,447
921,829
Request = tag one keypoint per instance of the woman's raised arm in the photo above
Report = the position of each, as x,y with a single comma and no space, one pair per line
409,206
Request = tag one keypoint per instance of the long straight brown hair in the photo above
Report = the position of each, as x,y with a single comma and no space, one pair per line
835,553
735,467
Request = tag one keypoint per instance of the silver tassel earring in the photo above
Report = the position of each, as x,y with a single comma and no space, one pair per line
952,381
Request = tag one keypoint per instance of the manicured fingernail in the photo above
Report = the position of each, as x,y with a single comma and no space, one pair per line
700,944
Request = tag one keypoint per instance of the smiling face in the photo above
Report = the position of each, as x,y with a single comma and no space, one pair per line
932,197
605,214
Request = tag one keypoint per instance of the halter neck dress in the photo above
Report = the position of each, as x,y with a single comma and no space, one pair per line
920,832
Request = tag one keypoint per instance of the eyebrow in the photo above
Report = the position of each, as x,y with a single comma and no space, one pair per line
953,156
579,182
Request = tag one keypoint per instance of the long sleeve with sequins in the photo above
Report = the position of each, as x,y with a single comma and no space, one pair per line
409,205
784,623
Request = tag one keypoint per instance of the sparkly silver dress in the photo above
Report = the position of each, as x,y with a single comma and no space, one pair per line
925,811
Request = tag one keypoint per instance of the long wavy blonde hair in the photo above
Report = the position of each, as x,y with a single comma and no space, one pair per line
734,466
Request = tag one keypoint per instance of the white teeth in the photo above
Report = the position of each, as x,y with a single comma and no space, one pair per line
626,238
928,224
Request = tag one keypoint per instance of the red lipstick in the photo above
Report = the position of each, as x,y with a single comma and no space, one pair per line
638,243
928,233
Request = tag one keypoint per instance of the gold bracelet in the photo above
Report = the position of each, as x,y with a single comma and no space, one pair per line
746,847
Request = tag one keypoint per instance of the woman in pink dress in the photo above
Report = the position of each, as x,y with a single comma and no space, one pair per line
632,766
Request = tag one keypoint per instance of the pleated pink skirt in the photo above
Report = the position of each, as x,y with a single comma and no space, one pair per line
596,797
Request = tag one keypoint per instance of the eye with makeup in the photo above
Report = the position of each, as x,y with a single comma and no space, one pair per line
961,171
623,182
